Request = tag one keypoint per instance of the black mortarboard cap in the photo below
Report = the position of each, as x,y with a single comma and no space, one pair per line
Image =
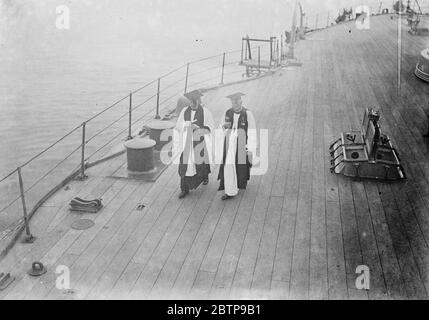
236,95
193,94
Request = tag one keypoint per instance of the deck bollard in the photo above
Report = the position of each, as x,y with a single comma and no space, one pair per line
140,155
157,116
156,128
29,238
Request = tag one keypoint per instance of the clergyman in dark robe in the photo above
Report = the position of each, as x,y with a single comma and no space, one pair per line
239,145
193,143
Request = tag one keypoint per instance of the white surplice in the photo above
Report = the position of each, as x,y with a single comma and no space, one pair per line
180,136
231,135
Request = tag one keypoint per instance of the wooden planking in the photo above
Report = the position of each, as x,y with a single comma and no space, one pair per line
21,252
411,274
121,273
335,243
91,274
155,263
111,226
285,242
248,255
46,250
298,227
336,270
283,250
262,275
366,236
394,280
351,237
318,273
386,114
300,280
225,274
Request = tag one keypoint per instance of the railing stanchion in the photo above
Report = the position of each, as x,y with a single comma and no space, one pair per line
278,52
281,47
327,22
223,68
29,238
82,175
259,60
317,21
242,50
157,116
186,79
130,117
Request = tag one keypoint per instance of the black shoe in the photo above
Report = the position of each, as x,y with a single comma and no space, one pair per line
426,135
183,194
206,182
226,197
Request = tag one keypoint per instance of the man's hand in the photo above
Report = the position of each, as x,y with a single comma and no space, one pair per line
195,126
227,125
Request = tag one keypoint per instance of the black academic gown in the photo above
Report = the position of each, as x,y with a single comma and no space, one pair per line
203,169
242,167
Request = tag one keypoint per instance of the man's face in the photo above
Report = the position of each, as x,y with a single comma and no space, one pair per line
237,103
196,102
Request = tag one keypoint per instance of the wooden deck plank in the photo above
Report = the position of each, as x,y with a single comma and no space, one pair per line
411,273
318,276
224,278
127,240
338,288
366,237
91,273
155,263
300,272
228,264
350,229
249,251
285,242
105,234
298,231
54,253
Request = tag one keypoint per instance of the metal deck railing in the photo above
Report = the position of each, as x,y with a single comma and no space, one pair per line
24,190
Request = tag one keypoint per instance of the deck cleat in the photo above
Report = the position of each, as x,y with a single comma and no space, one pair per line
367,153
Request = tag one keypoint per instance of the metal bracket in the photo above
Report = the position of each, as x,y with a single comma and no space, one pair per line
29,239
81,177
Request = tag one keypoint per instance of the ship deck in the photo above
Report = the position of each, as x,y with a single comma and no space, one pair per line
297,232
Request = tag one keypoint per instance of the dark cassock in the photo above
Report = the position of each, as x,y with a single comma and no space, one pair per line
192,141
239,144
